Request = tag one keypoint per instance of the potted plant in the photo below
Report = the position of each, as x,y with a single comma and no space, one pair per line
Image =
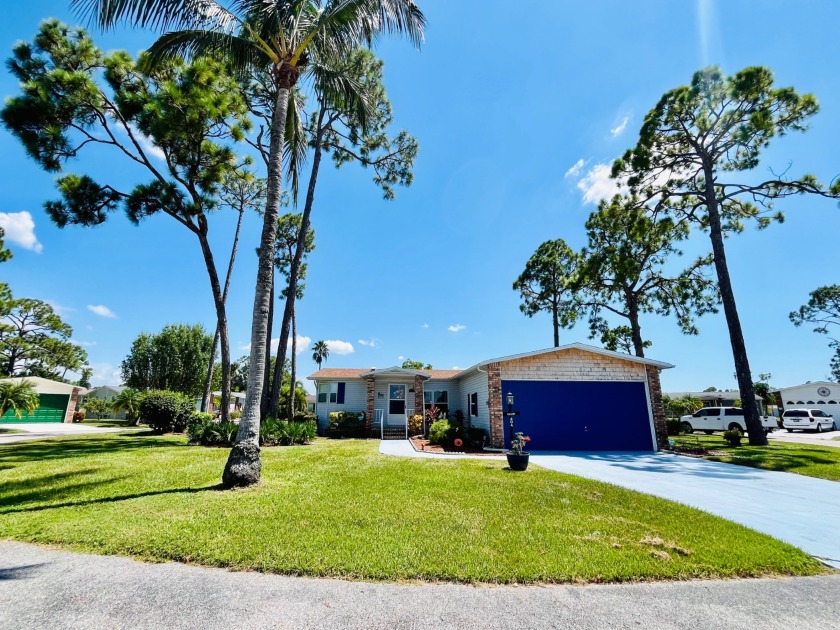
517,457
733,436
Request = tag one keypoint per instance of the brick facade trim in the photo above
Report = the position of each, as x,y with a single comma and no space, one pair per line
71,405
494,396
371,394
419,401
657,407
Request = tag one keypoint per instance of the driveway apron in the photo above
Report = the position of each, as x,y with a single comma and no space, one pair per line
799,510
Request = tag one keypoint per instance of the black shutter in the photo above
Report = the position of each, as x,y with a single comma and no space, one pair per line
340,398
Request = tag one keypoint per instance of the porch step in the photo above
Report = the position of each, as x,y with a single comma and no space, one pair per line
395,433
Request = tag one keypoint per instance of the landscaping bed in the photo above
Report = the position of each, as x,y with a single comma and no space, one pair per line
340,509
810,460
423,444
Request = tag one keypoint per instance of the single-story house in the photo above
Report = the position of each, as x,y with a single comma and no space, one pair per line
823,395
237,401
58,401
726,398
570,398
310,403
106,393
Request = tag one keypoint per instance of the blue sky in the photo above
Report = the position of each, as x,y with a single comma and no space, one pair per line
505,105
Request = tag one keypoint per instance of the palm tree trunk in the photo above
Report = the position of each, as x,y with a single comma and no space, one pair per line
264,401
211,367
221,315
244,465
293,387
294,268
733,322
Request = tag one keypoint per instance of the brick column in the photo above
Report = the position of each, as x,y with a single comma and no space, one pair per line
418,396
371,394
655,390
494,392
71,405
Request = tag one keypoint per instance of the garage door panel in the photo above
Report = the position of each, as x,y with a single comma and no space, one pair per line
51,409
580,415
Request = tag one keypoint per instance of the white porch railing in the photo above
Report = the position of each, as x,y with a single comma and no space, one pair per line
409,412
378,417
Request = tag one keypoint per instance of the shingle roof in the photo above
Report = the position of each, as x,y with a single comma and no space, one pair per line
327,373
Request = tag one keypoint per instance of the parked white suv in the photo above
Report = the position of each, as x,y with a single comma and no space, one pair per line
807,420
711,419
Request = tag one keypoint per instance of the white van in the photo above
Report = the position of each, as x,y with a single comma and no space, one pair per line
807,420
711,419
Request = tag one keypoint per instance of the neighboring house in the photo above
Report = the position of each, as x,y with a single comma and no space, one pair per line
716,399
237,401
106,393
572,398
58,400
310,403
823,395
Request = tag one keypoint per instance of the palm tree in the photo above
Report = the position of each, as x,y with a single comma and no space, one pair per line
20,397
128,400
321,352
279,41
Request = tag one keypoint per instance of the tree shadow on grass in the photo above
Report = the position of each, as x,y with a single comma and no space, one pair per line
67,448
115,499
773,459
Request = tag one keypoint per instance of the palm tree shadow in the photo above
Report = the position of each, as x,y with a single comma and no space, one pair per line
19,573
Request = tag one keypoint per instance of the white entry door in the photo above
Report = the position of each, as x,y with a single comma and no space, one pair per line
396,404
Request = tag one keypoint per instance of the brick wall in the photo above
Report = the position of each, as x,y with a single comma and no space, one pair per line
658,408
419,405
71,406
572,365
494,395
371,393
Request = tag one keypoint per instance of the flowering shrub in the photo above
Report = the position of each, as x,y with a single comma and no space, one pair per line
517,447
415,424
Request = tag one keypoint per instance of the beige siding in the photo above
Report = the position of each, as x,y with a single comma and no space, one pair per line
572,365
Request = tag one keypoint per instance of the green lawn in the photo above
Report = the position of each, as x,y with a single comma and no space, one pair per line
339,508
805,459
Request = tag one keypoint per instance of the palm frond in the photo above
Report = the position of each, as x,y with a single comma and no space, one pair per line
157,14
241,54
296,149
338,87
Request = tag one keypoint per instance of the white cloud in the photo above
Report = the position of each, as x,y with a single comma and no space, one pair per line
456,328
620,127
424,326
302,345
101,310
337,346
457,367
20,229
60,309
597,184
147,144
401,358
105,374
83,344
373,342
575,169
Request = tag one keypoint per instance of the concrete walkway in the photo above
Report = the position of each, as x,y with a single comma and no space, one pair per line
800,510
403,448
43,588
43,430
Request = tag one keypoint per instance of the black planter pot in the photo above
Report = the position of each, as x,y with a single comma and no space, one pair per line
518,462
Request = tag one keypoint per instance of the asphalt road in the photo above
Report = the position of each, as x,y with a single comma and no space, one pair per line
44,588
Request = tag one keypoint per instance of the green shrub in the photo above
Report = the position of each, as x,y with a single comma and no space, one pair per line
235,415
275,432
203,429
166,412
733,436
441,431
346,418
306,417
476,435
673,425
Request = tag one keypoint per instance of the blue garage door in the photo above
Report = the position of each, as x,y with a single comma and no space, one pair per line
580,416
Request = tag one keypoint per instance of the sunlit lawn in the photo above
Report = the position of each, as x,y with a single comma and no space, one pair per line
804,459
339,508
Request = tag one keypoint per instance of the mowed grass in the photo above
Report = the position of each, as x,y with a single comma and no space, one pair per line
339,508
811,460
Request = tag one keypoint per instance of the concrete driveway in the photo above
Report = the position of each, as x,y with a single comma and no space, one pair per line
800,510
803,437
43,430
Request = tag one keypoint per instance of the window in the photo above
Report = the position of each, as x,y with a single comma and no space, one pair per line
796,413
332,391
734,412
396,399
436,398
473,406
819,413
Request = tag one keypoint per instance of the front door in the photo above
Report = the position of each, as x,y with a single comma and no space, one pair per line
396,404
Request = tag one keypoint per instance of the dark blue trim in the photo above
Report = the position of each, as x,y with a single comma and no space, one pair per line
339,399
